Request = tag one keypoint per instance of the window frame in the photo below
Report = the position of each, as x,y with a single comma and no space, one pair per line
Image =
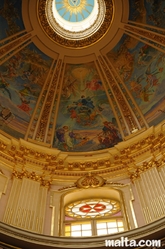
76,195
93,222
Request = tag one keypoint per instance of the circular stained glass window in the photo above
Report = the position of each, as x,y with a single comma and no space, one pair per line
75,10
92,208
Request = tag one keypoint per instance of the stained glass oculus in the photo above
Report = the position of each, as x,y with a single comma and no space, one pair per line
75,19
74,10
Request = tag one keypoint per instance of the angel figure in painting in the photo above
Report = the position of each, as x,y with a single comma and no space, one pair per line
65,137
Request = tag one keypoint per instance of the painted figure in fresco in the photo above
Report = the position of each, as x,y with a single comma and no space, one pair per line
151,79
65,137
144,54
124,72
158,13
70,87
109,135
83,110
27,90
83,141
85,102
144,92
4,86
136,86
10,13
94,85
11,71
25,105
69,139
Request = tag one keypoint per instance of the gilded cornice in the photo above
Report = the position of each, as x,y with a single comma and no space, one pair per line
118,161
32,176
102,182
75,43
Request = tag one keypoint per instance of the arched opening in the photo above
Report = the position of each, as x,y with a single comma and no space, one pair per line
92,213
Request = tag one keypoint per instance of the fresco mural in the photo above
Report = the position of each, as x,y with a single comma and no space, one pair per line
21,80
155,12
87,119
10,17
151,12
141,67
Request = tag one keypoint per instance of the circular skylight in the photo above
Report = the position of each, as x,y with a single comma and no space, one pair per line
75,19
75,15
75,10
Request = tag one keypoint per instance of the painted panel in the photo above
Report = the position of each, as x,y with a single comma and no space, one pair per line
151,12
141,67
155,12
21,80
85,120
10,17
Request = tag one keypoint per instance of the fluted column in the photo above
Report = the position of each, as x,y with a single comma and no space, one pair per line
162,174
12,201
27,202
151,191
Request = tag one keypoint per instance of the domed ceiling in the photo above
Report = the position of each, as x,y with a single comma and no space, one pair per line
81,75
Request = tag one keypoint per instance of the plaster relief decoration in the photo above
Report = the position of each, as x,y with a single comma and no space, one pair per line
90,181
88,122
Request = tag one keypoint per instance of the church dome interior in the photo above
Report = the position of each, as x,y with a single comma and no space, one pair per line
82,122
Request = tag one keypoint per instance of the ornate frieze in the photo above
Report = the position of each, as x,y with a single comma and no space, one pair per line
32,176
116,161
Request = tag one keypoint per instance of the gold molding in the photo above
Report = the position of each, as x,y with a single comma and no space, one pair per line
32,176
114,162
